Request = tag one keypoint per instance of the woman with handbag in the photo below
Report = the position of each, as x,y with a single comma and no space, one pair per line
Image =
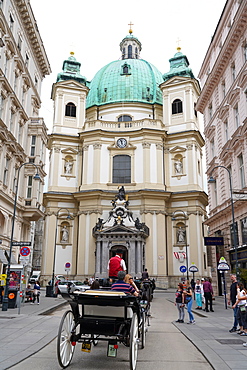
188,299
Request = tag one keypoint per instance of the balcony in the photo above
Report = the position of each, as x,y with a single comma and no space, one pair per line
123,126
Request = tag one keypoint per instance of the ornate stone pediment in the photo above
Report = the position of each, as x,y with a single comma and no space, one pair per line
223,112
234,96
177,149
69,150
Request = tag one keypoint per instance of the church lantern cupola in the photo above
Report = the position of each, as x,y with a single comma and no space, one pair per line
179,66
130,46
71,70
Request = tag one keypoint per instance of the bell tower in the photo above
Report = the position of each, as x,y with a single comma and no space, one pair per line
69,94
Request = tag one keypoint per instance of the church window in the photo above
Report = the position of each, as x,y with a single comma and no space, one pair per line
129,52
177,106
136,51
124,118
125,69
70,110
123,53
121,169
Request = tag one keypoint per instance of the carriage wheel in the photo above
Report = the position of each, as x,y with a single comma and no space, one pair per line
65,350
133,341
143,329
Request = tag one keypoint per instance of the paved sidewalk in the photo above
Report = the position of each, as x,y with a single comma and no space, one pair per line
27,333
211,336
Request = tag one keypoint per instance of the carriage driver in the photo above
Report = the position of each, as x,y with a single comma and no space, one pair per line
116,264
122,286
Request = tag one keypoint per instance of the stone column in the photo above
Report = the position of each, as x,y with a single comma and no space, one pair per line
98,257
85,164
146,159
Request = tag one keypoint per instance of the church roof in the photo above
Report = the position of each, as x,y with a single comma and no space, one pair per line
179,66
71,70
127,80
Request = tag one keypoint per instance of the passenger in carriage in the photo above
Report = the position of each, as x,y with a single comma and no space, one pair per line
95,285
122,286
129,279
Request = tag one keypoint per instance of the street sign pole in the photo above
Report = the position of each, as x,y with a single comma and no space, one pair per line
222,267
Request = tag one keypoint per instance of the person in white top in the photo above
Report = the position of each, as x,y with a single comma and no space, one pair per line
241,301
198,294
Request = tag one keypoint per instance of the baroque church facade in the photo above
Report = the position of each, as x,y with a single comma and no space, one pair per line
125,170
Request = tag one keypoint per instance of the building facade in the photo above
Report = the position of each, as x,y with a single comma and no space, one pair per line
23,135
223,101
131,131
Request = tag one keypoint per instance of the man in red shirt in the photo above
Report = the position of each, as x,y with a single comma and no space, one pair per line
115,265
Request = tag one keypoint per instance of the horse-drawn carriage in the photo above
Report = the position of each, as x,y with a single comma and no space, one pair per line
102,315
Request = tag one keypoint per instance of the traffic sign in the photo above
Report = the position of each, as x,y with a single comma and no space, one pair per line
67,266
183,269
25,251
223,266
21,244
193,268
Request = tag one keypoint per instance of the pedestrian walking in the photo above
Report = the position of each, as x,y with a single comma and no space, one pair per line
179,302
208,295
36,292
198,294
232,301
188,299
241,301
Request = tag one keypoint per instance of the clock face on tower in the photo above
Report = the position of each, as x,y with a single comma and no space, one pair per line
121,143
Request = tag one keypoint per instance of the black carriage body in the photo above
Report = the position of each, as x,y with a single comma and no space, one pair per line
105,315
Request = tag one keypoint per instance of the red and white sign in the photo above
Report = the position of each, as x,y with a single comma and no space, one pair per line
67,266
24,251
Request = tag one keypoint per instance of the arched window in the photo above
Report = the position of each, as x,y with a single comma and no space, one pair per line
125,69
121,169
177,106
70,110
129,52
124,118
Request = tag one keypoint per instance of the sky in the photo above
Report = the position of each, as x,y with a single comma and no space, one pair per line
93,30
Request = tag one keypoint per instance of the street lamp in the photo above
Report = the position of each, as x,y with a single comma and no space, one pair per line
6,292
55,247
174,218
212,180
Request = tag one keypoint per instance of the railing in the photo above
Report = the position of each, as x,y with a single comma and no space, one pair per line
122,126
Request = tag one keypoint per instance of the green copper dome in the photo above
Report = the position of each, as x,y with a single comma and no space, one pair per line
126,80
179,66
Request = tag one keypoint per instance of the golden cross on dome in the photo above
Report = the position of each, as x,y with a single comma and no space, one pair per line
178,41
130,24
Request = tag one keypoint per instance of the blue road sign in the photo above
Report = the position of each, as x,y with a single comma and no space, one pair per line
183,269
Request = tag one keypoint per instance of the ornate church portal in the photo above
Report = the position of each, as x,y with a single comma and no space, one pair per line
120,231
131,134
